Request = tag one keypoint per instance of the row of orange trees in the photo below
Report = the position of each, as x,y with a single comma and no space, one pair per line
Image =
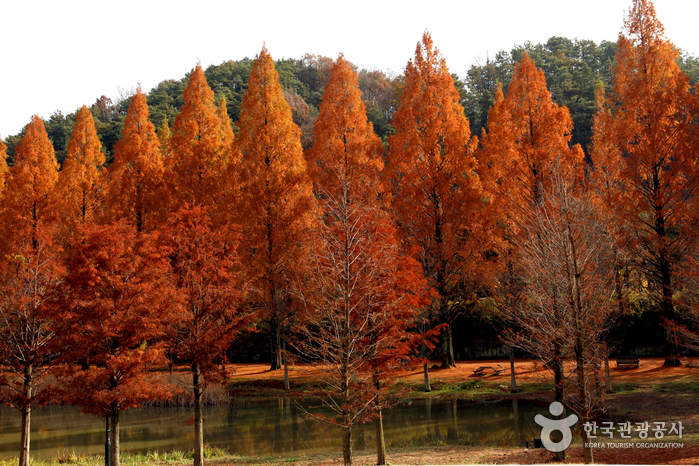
197,232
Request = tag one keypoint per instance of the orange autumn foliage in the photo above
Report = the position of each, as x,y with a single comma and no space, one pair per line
364,294
346,149
80,183
136,191
29,275
274,199
198,151
227,135
437,195
4,171
29,199
208,279
118,305
527,139
644,155
164,138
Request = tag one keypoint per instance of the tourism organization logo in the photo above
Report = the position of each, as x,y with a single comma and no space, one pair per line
548,426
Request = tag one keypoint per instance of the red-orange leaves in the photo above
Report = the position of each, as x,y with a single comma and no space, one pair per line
437,196
118,305
527,140
3,168
209,284
81,178
136,192
644,155
116,310
30,199
346,151
198,152
275,198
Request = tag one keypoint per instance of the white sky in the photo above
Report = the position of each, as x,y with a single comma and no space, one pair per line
60,55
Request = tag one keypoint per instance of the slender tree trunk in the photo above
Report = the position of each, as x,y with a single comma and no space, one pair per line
114,452
559,379
665,272
513,380
608,380
515,415
286,369
198,421
582,395
380,442
448,349
276,347
25,436
426,371
347,445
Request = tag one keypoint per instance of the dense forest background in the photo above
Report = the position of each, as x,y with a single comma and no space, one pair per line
574,69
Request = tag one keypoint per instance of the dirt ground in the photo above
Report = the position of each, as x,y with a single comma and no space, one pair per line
651,370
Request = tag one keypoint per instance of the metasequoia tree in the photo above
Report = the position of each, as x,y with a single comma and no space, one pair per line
198,151
118,303
360,303
136,191
526,142
527,139
209,285
437,196
29,270
28,277
29,201
273,201
566,266
363,295
645,131
80,181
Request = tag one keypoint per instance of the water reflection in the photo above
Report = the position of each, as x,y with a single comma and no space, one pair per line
272,427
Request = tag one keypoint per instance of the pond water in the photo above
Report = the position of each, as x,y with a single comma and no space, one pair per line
269,427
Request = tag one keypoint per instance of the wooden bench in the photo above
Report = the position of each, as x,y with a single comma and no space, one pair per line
497,369
631,362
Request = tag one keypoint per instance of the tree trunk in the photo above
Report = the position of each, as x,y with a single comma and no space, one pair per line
286,370
380,442
608,380
582,395
425,369
559,380
665,272
515,415
448,349
513,381
114,453
347,445
276,348
25,436
198,422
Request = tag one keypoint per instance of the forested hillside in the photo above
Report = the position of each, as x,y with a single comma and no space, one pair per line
573,68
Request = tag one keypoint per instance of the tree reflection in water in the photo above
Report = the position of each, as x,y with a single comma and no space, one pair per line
273,427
